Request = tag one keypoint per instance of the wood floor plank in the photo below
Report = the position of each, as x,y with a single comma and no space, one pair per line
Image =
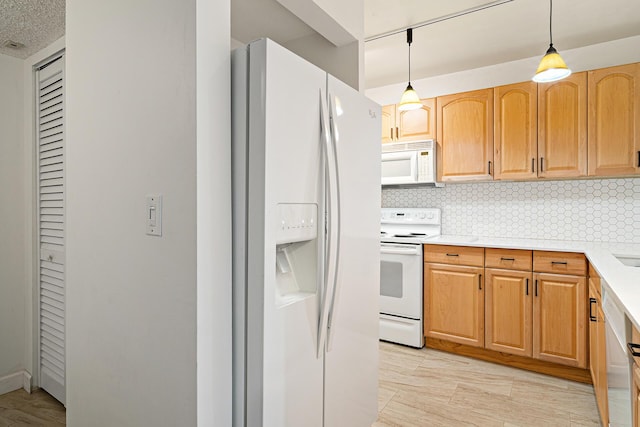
20,408
447,389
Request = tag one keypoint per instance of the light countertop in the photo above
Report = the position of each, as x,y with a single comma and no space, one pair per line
621,280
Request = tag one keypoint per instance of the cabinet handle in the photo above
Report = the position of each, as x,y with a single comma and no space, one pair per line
632,348
453,255
536,289
639,159
507,259
391,133
480,281
397,133
533,165
489,167
527,288
541,164
591,316
559,262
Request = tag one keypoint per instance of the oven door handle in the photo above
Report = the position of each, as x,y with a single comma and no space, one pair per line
400,251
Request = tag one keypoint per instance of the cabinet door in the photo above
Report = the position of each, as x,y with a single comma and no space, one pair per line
614,121
388,123
562,127
601,386
516,131
635,391
454,303
559,319
465,136
508,311
419,124
593,335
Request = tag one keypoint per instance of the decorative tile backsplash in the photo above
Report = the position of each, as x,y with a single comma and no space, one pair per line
587,210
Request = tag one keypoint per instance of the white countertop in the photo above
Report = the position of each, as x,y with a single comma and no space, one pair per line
621,280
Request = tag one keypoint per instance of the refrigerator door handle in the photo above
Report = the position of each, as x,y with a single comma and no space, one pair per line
330,267
334,145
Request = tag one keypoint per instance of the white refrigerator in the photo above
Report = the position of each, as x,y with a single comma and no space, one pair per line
306,203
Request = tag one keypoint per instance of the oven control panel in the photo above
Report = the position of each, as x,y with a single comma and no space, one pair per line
410,215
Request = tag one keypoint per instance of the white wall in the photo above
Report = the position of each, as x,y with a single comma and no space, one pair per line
213,78
12,219
342,62
137,304
616,52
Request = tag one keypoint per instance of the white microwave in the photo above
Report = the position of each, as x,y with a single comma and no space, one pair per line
409,163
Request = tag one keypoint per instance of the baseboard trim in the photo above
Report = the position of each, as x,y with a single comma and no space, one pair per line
18,380
535,365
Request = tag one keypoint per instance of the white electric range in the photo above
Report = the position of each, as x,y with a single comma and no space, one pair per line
402,231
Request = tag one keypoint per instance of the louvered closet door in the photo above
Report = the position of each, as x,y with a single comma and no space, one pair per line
51,225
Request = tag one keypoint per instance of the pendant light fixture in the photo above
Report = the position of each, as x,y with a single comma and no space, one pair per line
410,99
551,67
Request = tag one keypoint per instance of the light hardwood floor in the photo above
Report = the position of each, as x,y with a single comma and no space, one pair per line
417,388
20,408
432,388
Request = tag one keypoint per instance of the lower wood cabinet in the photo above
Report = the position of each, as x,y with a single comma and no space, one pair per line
509,311
635,385
636,395
454,303
559,319
597,346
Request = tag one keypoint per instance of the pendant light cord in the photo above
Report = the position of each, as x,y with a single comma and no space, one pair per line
409,40
550,18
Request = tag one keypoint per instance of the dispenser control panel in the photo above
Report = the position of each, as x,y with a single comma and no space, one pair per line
297,222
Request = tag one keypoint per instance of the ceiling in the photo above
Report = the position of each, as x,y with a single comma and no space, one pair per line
511,31
33,23
515,30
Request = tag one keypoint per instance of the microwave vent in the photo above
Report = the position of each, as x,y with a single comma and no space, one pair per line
408,146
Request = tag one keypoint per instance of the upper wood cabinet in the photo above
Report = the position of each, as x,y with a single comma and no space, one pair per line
562,127
516,131
411,125
614,121
465,136
388,123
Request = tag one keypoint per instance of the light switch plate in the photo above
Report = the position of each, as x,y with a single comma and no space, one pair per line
154,215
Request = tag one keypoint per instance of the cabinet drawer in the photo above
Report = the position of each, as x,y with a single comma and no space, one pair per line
510,259
559,263
458,255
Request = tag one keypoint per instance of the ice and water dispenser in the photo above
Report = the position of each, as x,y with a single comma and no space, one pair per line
296,252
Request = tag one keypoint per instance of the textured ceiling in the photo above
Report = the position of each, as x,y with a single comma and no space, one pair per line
34,23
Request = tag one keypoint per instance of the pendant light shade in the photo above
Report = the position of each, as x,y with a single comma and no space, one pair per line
552,67
410,99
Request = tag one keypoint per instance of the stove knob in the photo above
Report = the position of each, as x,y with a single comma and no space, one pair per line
430,216
421,215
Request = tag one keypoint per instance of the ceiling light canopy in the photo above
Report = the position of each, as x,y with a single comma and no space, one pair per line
552,67
410,99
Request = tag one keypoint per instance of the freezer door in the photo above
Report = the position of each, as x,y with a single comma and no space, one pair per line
351,360
284,244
